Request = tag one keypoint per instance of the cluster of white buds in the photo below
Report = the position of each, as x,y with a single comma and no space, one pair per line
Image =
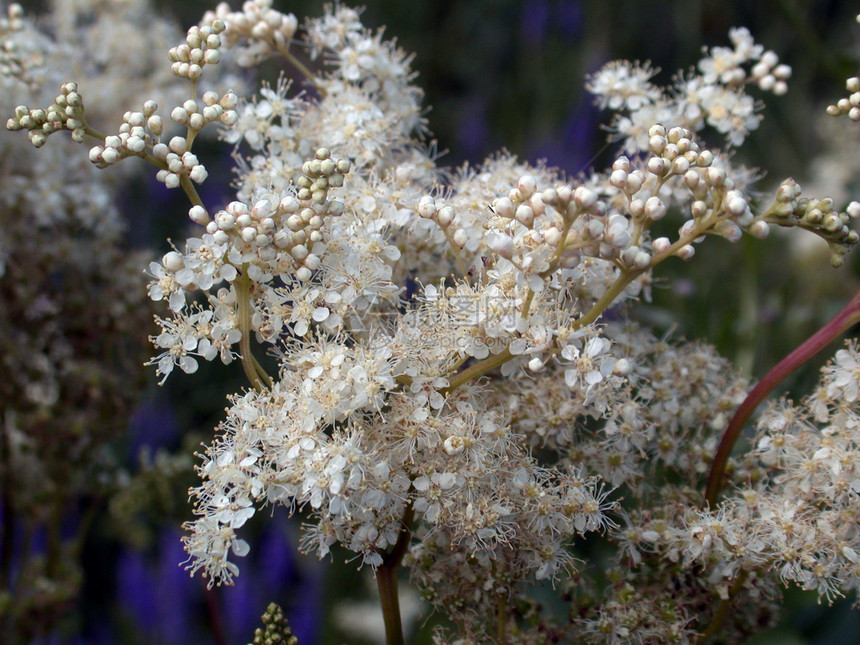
320,174
215,108
676,154
817,216
849,105
269,30
717,207
292,226
134,140
771,75
66,113
139,130
201,47
547,214
650,209
428,209
180,161
140,135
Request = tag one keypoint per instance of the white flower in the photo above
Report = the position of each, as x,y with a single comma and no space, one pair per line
844,379
178,343
721,66
620,84
589,366
166,284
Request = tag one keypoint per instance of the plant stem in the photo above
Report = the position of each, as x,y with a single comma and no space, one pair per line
96,134
253,370
606,300
477,370
213,610
844,320
501,620
723,608
625,277
484,366
386,582
189,190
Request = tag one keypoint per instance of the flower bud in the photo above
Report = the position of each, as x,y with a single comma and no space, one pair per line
172,261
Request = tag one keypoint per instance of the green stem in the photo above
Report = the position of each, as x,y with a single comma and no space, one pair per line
184,181
844,320
261,372
492,362
476,370
555,260
607,298
190,191
255,373
527,303
501,620
94,133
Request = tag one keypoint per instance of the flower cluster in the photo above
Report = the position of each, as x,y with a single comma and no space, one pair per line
791,517
458,389
64,114
713,96
849,105
258,31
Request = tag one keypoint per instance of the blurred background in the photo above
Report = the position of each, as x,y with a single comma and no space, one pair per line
496,73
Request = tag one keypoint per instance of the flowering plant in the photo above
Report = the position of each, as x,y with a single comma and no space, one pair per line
459,389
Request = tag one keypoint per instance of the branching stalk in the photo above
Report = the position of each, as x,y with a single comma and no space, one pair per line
492,362
844,320
190,191
476,370
253,370
625,278
94,133
606,299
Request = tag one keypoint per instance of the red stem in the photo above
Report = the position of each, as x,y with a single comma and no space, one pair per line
213,609
844,320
